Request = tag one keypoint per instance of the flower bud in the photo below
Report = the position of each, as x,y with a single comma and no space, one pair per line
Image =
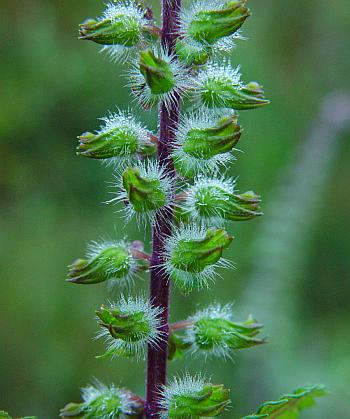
211,23
145,189
220,87
120,139
192,255
106,261
104,402
193,398
120,24
212,332
205,142
214,201
129,326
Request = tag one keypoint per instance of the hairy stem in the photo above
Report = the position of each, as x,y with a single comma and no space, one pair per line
160,282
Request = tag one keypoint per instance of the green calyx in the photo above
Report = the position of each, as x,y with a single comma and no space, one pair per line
127,326
197,254
190,55
213,201
100,401
97,408
108,262
221,92
144,194
209,402
211,334
207,142
157,73
209,26
121,30
118,142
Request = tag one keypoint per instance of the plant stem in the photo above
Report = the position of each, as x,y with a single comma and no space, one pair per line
160,281
181,325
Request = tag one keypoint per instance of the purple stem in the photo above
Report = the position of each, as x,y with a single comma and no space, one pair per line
160,281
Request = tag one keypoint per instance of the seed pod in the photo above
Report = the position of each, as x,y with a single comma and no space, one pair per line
144,190
157,76
214,201
192,397
221,87
104,402
157,72
204,142
209,22
106,261
120,24
192,255
129,326
118,141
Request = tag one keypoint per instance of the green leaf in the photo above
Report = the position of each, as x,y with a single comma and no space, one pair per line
5,415
289,405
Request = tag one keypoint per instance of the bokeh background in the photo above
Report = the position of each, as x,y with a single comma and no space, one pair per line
293,265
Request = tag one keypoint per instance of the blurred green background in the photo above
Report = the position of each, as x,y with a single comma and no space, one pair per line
52,88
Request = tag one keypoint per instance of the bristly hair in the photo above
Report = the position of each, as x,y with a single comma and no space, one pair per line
191,165
152,315
142,92
188,281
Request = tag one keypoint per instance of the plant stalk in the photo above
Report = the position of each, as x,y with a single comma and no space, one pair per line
160,281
